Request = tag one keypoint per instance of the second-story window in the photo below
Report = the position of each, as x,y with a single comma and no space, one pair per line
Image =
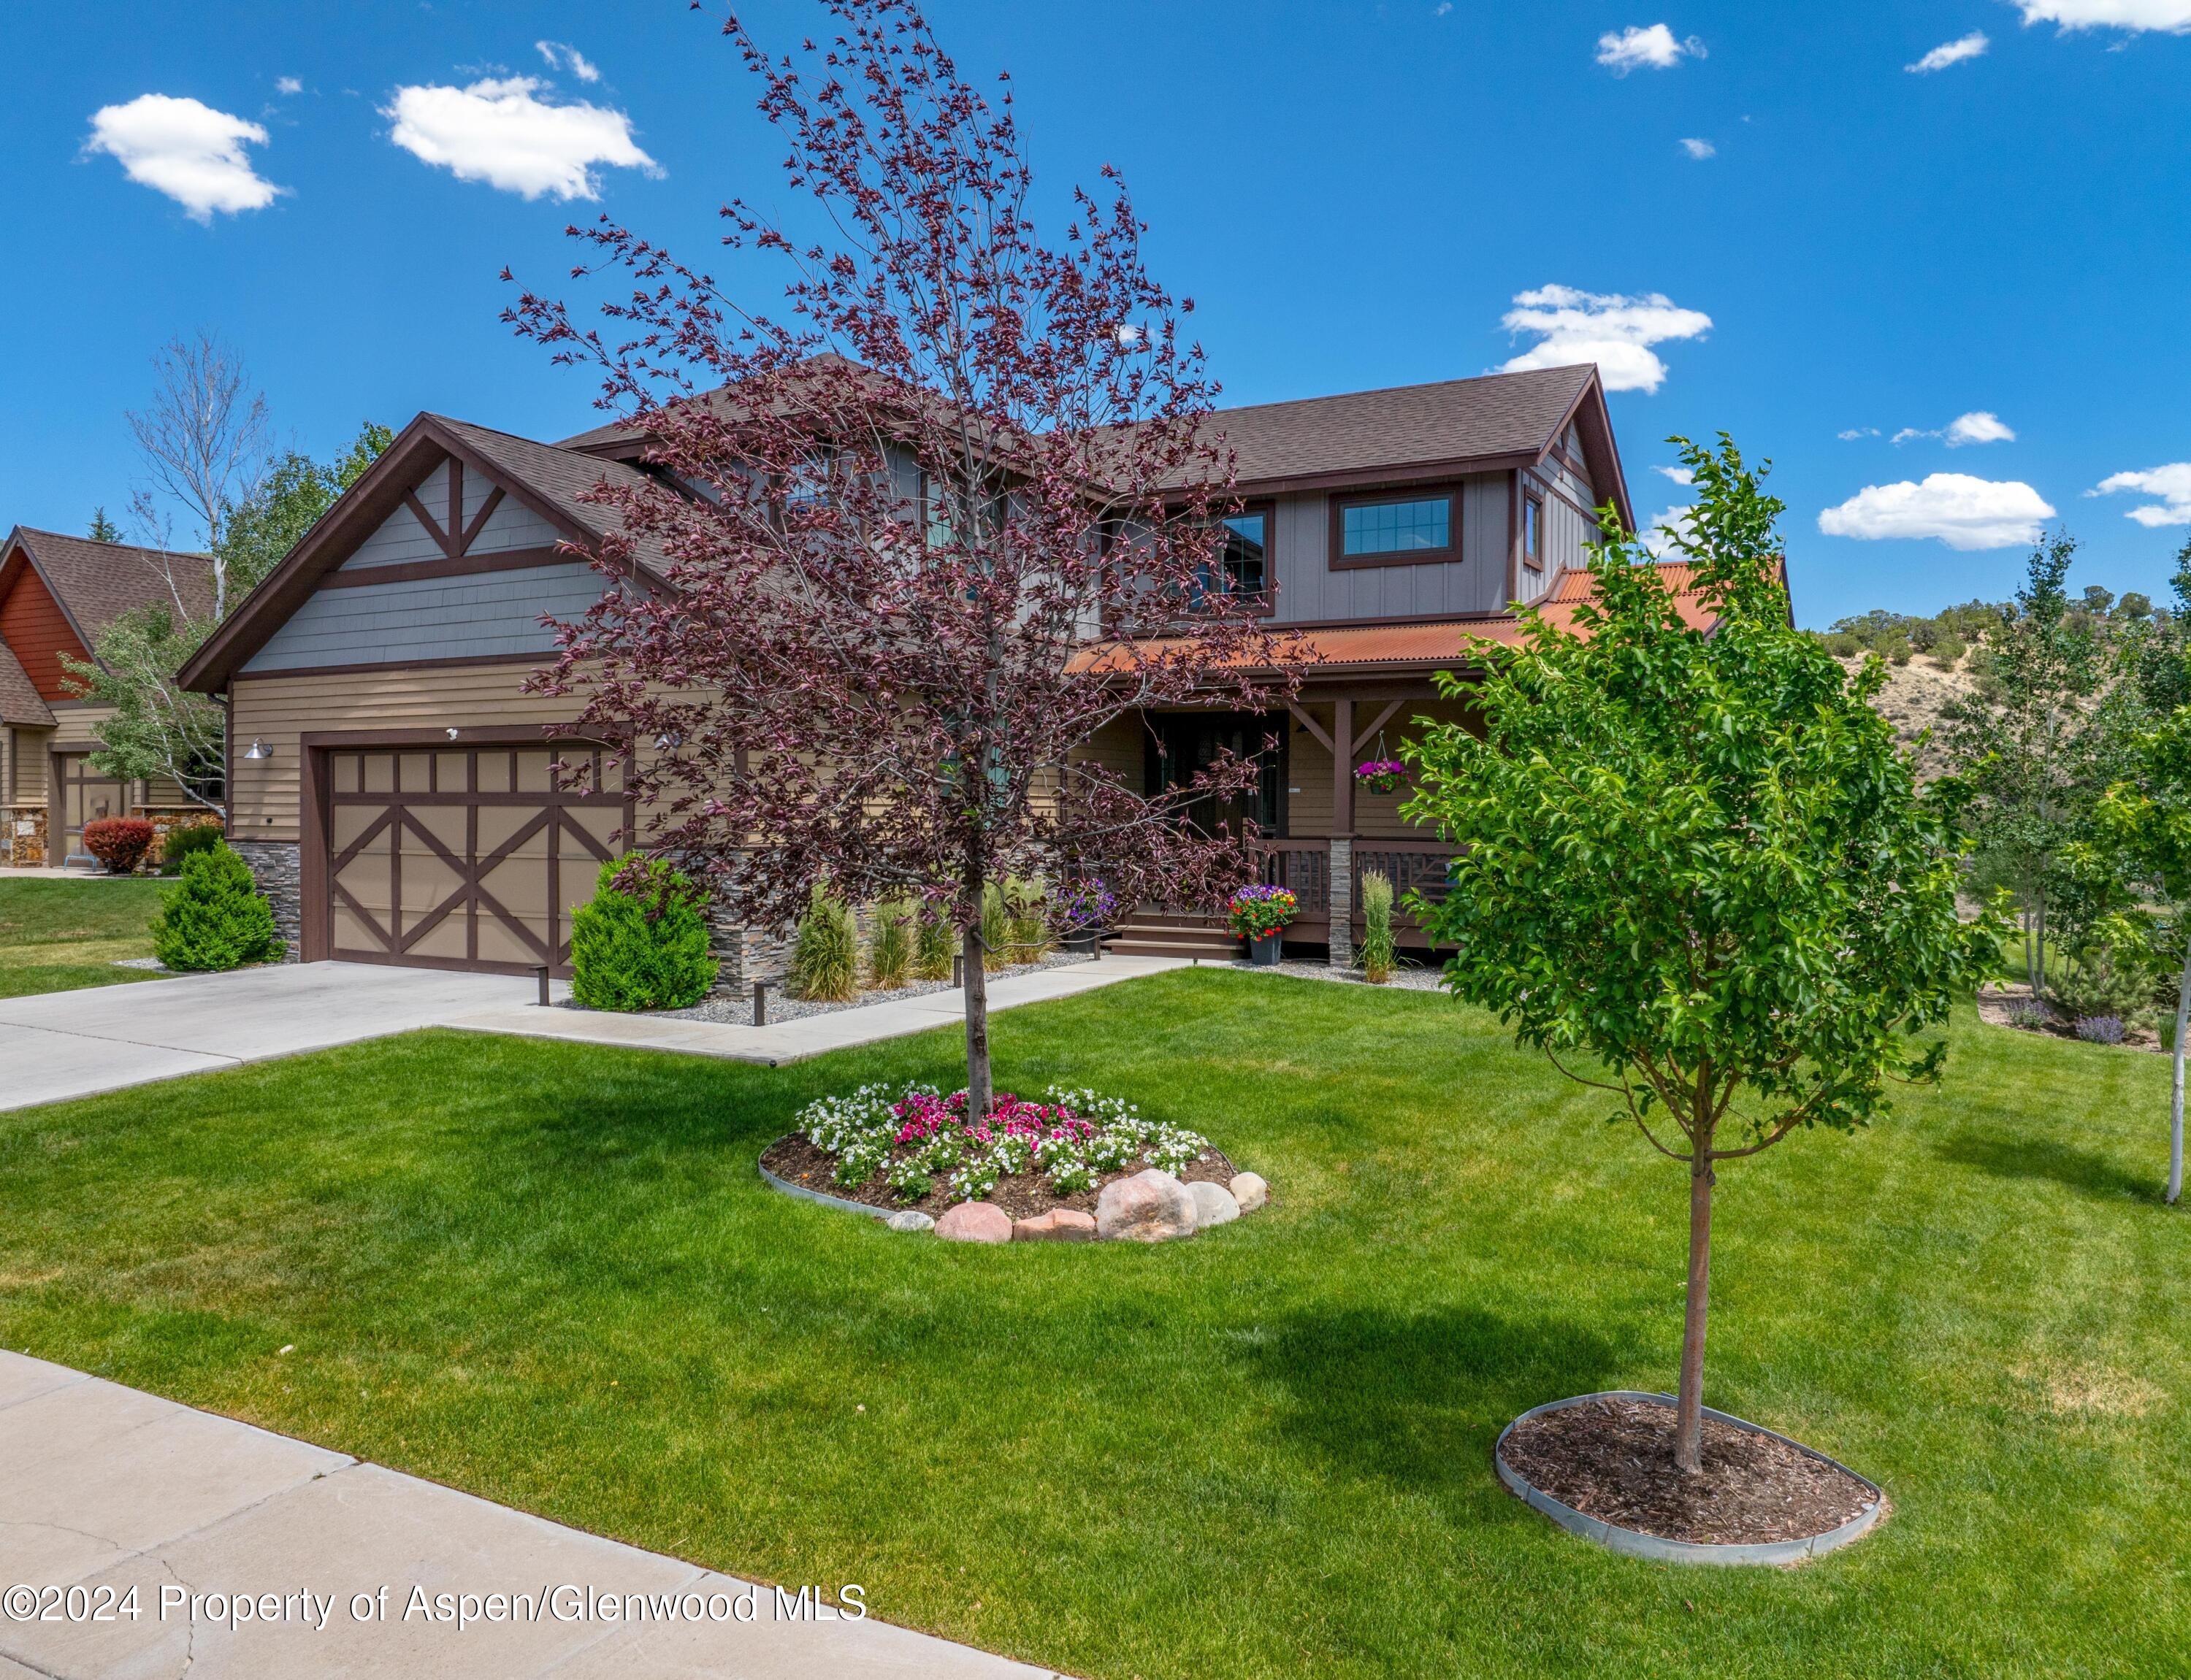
1247,550
1394,529
1533,532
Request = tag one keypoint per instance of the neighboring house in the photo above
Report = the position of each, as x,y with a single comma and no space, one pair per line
390,777
57,595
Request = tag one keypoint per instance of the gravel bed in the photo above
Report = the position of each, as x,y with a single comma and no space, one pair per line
737,1009
1407,977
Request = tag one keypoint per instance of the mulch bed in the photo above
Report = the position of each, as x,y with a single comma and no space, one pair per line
2010,1005
1613,1460
796,1160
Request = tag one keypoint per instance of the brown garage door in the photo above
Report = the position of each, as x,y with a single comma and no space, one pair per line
462,858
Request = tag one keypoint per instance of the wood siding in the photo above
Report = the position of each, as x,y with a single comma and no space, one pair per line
401,540
279,709
34,630
479,616
1311,591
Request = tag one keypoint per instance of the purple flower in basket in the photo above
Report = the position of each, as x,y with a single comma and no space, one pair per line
1085,906
1381,775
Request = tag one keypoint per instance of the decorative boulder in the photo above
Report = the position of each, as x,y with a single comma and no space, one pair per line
975,1221
1059,1224
1213,1204
910,1219
1250,1191
1151,1207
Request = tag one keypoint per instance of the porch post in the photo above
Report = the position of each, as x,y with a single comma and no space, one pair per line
1342,834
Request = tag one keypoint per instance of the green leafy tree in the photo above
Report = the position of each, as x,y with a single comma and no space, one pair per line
641,941
214,918
1694,867
2148,817
296,491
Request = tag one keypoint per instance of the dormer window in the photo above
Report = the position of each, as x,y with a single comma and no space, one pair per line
1394,527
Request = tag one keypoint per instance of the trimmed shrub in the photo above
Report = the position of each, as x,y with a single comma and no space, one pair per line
118,842
825,959
890,947
187,843
214,919
936,942
640,942
1377,946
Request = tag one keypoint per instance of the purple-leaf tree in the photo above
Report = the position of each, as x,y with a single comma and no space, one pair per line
928,529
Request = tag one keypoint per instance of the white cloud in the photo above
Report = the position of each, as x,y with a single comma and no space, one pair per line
1980,425
1963,512
188,150
1614,330
1443,8
2171,482
1700,149
562,57
1667,527
504,133
2169,17
1680,475
287,84
1970,46
1640,48
1856,431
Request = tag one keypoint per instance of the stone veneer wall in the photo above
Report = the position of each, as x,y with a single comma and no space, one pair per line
1342,904
278,865
747,953
23,836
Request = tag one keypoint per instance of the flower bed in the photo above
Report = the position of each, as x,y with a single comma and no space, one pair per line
915,1148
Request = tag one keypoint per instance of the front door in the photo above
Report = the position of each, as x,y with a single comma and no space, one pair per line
86,796
1182,745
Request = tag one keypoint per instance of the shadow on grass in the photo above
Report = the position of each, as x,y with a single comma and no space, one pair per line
2065,1164
1419,1400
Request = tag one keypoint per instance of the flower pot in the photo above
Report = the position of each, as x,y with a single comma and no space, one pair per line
1263,952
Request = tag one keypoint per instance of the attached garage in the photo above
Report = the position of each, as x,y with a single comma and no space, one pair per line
469,852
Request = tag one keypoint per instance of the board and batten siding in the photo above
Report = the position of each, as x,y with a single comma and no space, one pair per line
402,539
1311,591
472,616
279,710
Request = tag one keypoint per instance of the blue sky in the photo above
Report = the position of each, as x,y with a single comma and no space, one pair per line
1356,194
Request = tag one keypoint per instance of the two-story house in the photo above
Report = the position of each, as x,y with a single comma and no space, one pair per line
58,596
389,775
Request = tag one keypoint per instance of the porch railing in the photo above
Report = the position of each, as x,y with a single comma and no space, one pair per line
1304,867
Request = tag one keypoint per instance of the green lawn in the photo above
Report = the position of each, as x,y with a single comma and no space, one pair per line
549,1275
56,935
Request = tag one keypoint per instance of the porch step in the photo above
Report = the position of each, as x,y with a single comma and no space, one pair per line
1151,932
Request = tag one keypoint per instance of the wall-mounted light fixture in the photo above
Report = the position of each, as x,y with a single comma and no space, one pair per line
453,732
258,749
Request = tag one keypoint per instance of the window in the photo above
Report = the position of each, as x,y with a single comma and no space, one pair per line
1246,551
1395,529
1533,532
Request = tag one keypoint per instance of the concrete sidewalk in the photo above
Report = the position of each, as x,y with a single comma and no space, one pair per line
57,1045
108,1488
812,1035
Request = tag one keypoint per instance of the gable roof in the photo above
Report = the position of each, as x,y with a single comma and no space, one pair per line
94,583
19,699
549,480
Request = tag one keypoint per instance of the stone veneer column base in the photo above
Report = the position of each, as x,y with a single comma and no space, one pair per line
746,953
277,865
1342,904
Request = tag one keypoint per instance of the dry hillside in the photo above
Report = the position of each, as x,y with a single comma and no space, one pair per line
1912,700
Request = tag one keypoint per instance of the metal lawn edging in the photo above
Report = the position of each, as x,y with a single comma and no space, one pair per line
1632,1543
792,1189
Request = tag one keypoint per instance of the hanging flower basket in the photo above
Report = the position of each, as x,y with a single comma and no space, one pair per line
1382,775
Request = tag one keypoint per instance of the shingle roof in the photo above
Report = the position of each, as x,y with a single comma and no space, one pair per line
19,702
97,582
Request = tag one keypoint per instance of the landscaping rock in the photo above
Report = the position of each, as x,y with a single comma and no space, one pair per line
910,1219
975,1221
1151,1207
1213,1204
1250,1191
1059,1224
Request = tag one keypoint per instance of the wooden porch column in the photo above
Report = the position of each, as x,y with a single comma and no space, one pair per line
1342,834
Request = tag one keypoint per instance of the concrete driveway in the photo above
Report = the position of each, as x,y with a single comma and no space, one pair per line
64,1044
